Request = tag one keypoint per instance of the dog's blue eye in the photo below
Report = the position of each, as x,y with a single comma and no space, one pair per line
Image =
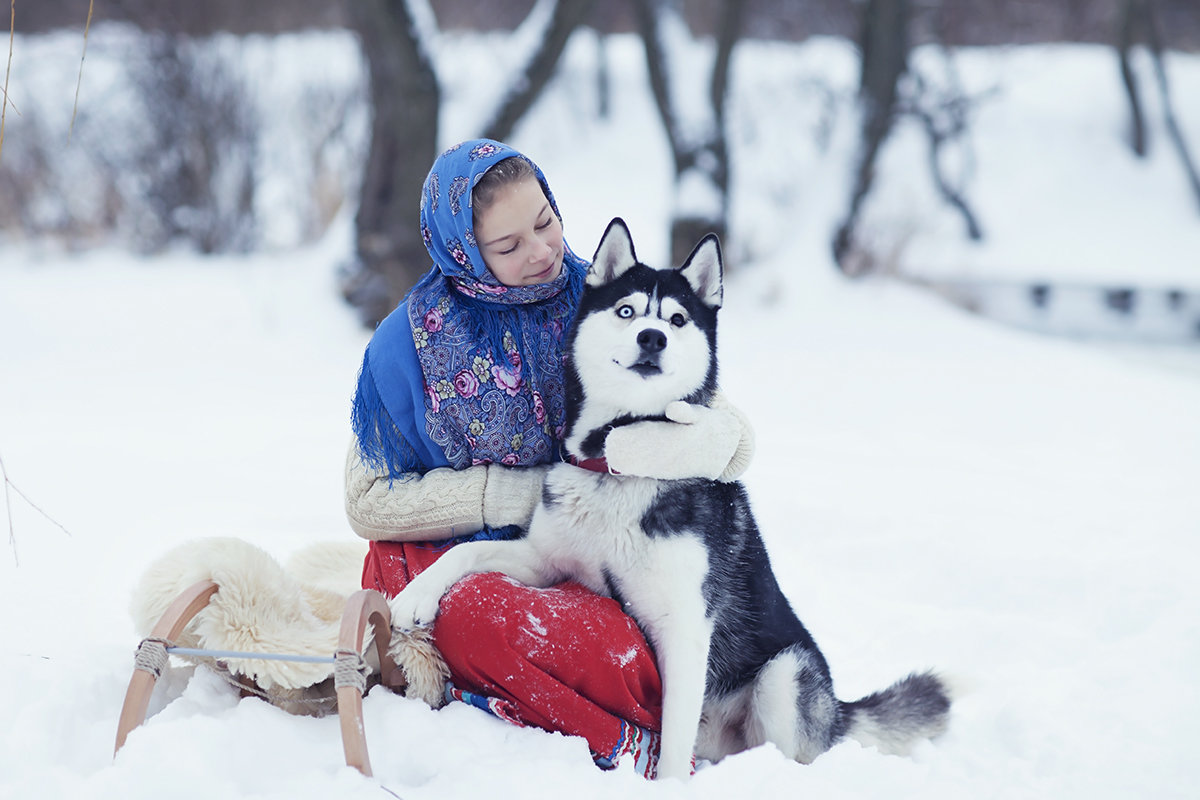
678,320
625,312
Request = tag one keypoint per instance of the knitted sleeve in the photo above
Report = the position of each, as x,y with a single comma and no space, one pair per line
440,504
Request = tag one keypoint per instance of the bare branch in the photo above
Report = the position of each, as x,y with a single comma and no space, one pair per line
945,117
566,16
1130,17
649,23
730,29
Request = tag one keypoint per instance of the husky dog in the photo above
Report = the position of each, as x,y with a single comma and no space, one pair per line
684,557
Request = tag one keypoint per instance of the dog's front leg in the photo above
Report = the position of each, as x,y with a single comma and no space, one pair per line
683,664
417,603
674,615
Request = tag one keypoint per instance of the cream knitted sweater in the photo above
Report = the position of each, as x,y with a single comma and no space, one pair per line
445,502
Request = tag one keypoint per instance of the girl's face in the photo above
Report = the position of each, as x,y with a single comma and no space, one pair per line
520,236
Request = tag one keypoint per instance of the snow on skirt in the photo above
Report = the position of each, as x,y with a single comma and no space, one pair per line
562,659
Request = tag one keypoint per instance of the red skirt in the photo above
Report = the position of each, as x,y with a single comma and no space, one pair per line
563,659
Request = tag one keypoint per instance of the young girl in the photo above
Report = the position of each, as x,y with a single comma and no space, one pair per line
459,411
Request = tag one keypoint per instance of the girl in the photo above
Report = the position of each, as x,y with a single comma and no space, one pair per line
458,412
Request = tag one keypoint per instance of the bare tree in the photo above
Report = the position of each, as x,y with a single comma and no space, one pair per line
696,134
398,38
890,89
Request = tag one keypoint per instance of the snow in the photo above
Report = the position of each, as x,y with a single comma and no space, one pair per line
697,196
936,490
425,28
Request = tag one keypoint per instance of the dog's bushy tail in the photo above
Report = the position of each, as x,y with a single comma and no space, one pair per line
896,718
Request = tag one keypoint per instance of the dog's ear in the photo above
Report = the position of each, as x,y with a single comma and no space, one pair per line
703,270
614,254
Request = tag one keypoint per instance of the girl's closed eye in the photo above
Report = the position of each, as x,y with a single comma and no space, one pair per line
541,226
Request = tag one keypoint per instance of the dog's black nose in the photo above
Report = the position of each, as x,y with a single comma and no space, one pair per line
652,340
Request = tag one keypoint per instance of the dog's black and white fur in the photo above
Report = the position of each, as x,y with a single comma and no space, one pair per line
684,557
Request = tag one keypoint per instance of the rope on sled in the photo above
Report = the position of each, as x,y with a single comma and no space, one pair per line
151,656
350,669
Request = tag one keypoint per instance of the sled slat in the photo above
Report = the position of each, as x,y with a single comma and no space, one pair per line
137,697
364,607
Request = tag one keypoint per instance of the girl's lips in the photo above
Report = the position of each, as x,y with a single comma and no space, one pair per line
540,277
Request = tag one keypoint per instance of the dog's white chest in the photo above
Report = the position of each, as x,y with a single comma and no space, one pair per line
591,529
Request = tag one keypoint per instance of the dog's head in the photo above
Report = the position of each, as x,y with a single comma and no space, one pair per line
642,337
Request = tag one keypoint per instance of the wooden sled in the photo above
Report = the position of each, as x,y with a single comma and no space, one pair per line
363,608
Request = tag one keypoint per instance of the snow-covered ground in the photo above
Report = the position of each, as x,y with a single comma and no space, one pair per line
1018,511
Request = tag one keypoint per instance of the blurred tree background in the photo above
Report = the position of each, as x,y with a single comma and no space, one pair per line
189,175
957,22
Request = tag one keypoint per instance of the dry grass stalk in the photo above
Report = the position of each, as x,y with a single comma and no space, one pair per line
12,35
86,28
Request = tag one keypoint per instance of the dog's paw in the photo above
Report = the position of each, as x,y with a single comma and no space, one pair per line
422,670
413,608
680,767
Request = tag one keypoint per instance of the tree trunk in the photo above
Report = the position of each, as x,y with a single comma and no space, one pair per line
885,46
405,99
696,145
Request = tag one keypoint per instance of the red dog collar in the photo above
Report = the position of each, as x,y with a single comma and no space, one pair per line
592,464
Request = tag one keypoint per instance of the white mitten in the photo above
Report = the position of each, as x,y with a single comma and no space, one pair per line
697,442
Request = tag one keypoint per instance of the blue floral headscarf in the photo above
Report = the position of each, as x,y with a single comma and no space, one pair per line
466,370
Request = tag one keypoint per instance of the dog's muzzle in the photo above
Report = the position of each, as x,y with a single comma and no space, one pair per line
651,342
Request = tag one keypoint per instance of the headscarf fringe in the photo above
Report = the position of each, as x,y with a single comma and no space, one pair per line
380,443
490,321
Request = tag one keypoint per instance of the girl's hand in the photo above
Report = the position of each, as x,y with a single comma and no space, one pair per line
695,442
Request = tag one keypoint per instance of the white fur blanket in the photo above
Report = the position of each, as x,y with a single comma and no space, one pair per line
263,607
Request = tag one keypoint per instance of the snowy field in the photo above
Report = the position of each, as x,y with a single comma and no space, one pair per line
1018,511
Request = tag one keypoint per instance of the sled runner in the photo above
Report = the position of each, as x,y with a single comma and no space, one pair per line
350,669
